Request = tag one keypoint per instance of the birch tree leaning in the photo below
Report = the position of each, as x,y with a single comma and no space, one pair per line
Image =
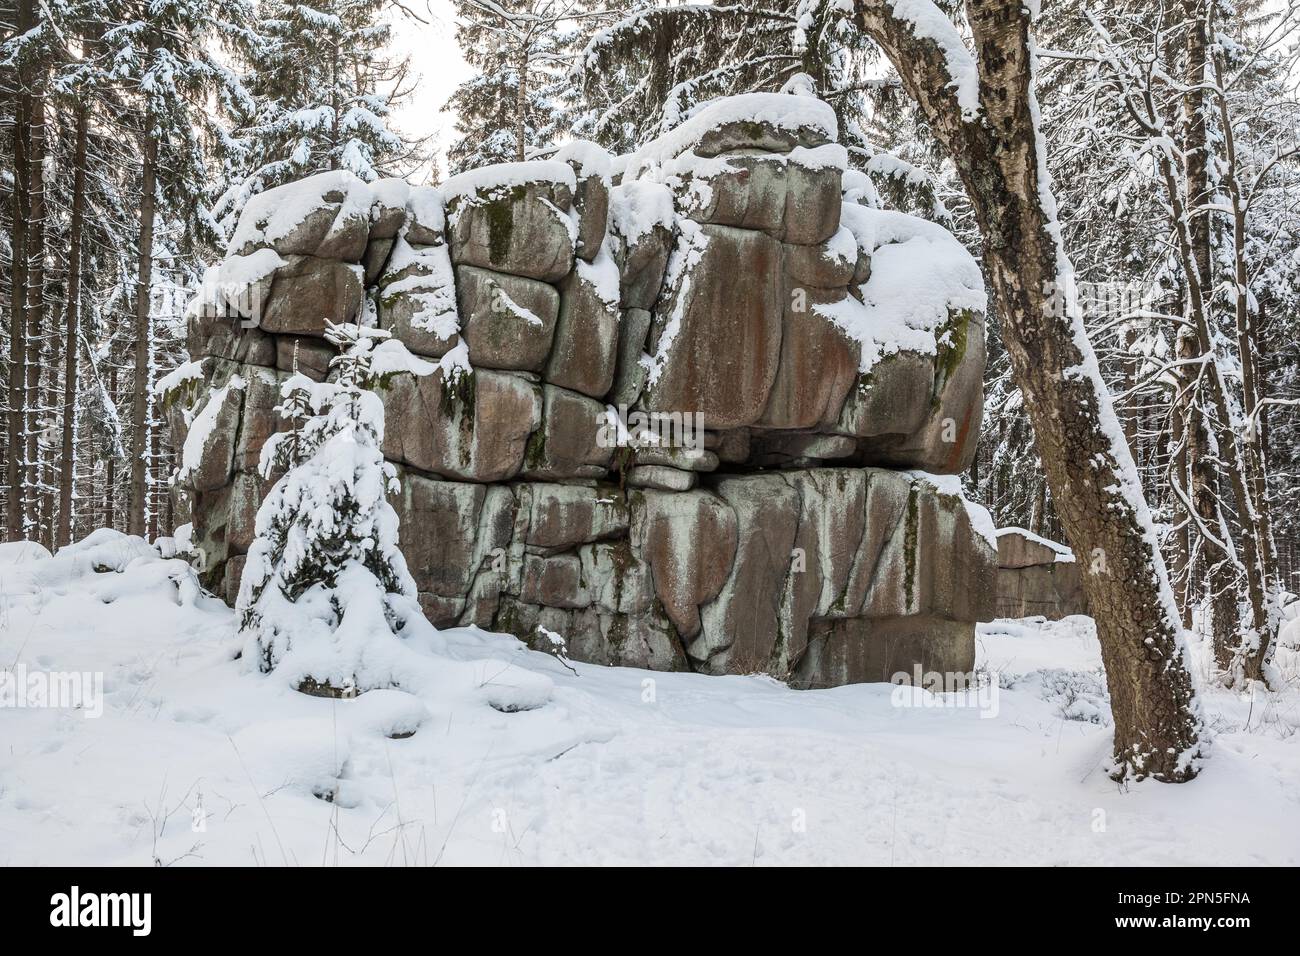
986,116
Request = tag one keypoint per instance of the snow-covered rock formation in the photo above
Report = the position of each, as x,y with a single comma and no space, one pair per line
1037,576
692,407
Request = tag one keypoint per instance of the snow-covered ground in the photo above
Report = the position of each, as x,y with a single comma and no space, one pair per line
194,760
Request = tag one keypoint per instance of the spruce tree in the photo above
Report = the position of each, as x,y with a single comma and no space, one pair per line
325,590
322,88
521,99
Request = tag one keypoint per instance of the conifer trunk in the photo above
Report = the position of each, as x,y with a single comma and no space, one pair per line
71,331
140,386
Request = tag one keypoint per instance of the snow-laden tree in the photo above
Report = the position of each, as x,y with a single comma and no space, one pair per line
521,96
112,122
325,590
322,87
984,111
651,68
165,57
1191,94
644,73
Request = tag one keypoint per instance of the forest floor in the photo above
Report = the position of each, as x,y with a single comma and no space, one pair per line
195,760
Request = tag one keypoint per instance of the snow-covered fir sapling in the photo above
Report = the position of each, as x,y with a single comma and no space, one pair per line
325,592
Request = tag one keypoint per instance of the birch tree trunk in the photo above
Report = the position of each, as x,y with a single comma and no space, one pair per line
1000,158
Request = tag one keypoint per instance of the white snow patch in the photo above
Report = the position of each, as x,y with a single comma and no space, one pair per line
587,159
779,110
637,207
488,179
425,206
705,774
391,356
920,274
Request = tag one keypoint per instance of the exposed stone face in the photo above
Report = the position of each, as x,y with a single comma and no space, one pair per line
739,135
521,230
260,420
765,191
642,260
415,297
564,516
894,399
725,302
508,321
309,291
689,539
850,650
741,628
947,439
818,365
473,428
629,371
723,354
333,228
824,265
214,462
376,257
221,336
388,208
567,443
301,353
443,518
1037,577
1017,549
585,352
591,203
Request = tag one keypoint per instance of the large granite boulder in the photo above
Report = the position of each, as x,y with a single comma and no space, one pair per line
508,321
309,292
592,167
513,218
326,216
1037,577
718,340
473,426
415,295
696,407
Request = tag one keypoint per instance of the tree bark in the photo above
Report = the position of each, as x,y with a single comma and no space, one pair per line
14,469
110,465
521,105
1089,467
1254,652
140,386
71,331
35,527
